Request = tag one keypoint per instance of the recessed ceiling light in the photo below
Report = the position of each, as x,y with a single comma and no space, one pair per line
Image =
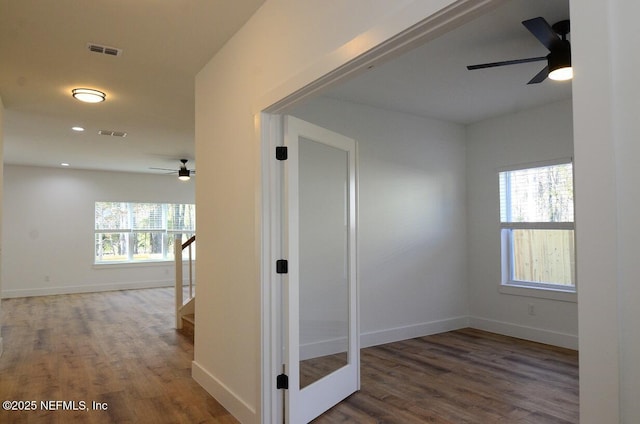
64,164
78,129
88,95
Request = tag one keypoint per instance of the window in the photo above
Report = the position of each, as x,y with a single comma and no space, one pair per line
139,232
537,227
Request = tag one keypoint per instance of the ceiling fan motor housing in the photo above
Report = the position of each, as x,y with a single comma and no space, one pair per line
560,56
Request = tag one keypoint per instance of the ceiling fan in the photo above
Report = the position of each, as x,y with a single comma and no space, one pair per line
184,173
553,38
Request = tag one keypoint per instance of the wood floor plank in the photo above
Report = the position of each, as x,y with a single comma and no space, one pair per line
464,376
120,348
117,348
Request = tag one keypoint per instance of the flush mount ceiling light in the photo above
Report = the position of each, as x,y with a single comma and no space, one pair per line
77,129
88,95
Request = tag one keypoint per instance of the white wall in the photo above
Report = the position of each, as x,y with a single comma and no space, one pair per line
285,46
607,130
412,238
49,229
627,145
533,135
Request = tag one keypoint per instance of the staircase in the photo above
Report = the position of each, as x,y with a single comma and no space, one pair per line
185,310
188,325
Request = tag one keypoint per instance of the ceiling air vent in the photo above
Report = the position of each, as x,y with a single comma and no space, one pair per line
97,48
113,133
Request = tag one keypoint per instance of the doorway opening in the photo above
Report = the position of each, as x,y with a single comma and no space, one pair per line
421,248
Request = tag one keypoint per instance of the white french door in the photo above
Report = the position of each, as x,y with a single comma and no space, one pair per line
320,299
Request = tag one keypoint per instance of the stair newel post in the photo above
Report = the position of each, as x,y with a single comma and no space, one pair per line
178,259
190,274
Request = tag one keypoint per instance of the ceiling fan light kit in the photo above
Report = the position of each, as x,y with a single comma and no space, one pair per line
184,173
554,38
88,95
559,61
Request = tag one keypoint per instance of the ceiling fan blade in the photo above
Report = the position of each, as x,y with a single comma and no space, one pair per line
541,29
505,63
171,171
540,76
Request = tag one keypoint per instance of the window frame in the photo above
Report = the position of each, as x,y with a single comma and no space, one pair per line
130,232
508,283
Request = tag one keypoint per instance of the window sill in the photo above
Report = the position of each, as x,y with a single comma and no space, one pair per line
112,265
542,293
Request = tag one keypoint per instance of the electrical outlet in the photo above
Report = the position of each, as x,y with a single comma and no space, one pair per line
531,309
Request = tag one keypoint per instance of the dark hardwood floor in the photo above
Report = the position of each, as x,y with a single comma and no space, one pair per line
464,376
120,348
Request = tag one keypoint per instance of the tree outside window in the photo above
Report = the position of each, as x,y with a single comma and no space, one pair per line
537,227
138,232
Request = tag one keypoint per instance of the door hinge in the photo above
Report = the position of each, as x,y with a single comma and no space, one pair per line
281,152
282,382
282,266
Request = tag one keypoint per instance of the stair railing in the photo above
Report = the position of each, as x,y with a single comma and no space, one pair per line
179,284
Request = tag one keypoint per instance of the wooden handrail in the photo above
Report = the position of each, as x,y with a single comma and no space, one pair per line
188,242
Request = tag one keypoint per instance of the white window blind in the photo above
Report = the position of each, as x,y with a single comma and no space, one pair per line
542,194
112,216
148,216
181,218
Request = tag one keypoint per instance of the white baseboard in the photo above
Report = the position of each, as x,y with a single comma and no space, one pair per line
90,288
323,348
555,338
391,335
242,411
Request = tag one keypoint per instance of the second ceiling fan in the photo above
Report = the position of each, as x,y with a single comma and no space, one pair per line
184,173
554,38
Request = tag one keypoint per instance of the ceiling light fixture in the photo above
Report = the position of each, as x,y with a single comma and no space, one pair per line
559,61
64,164
184,174
88,95
77,129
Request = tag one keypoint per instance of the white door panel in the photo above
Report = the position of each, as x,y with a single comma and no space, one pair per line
321,346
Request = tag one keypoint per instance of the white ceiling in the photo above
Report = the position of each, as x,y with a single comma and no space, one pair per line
150,87
433,80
